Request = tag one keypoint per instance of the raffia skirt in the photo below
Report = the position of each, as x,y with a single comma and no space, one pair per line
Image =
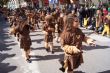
25,43
48,38
73,61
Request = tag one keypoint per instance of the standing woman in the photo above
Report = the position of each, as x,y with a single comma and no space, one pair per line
71,41
25,41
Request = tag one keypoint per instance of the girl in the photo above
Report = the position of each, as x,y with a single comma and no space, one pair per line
71,41
49,30
25,41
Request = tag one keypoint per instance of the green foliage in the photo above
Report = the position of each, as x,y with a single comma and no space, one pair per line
106,5
3,2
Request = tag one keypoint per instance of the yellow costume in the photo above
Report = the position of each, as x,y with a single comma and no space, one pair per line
107,27
106,30
85,22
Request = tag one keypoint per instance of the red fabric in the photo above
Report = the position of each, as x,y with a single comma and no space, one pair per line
35,1
105,12
46,2
61,1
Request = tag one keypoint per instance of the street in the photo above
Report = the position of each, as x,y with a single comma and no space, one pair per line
96,59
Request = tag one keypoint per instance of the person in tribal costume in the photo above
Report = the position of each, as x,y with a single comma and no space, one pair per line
31,18
71,42
25,41
49,29
42,15
36,18
60,25
42,18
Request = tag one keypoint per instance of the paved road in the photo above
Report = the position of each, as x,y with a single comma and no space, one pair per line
96,59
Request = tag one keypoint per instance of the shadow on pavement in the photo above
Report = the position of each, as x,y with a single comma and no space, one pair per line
94,47
39,48
6,67
4,46
56,48
108,71
5,55
47,57
38,40
78,72
88,33
4,36
36,35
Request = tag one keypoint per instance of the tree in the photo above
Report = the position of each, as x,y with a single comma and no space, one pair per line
3,2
